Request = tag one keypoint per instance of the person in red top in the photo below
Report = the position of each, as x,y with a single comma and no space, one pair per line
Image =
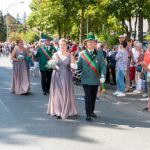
74,47
146,65
147,57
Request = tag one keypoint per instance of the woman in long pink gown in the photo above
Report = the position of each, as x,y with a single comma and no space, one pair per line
20,78
61,99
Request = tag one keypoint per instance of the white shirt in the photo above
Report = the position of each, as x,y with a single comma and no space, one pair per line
135,55
91,51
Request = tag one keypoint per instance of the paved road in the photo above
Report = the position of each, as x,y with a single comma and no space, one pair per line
24,124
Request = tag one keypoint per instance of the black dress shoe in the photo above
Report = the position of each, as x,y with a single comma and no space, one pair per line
93,115
47,92
58,117
145,109
24,94
88,118
44,93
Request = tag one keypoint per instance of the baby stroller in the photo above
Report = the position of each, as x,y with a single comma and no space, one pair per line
76,73
77,77
35,69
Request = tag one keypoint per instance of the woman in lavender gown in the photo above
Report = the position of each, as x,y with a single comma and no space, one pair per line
20,78
61,99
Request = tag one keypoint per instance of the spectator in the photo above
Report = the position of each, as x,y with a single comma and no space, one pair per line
121,67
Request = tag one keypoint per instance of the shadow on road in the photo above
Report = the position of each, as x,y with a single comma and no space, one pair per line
24,117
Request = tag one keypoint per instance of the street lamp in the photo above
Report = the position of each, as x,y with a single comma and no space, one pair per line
7,16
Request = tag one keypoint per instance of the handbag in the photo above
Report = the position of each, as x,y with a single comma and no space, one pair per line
138,68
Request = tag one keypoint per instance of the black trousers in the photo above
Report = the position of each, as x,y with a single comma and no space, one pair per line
107,75
90,98
113,73
46,80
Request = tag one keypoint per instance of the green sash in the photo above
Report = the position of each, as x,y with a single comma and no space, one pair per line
45,53
90,63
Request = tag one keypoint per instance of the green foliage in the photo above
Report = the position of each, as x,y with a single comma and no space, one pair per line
126,9
46,15
147,37
113,40
2,28
13,36
70,17
109,39
29,36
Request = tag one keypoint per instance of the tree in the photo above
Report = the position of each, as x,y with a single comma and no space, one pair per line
128,9
77,17
45,17
122,10
62,16
2,28
29,36
13,36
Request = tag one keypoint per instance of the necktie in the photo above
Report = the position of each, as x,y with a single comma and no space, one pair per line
91,53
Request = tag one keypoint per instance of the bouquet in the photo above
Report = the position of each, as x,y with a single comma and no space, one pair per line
52,64
20,57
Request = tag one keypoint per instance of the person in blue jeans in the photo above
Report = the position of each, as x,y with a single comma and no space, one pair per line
145,94
121,67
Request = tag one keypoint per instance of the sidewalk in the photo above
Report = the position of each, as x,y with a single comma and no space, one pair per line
131,100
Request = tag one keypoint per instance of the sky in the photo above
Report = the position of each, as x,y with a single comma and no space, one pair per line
15,6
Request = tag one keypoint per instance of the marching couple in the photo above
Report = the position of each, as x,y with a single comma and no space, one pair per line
91,63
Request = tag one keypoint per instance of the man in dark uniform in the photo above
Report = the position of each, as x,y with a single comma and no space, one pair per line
45,53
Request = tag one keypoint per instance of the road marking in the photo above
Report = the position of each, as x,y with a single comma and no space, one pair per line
9,112
4,106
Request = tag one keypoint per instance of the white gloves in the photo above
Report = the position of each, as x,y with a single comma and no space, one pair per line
74,66
34,53
102,80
